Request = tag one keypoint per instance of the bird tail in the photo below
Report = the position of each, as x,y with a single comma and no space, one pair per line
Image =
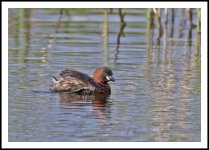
54,79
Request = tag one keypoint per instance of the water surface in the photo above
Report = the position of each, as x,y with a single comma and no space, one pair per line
156,96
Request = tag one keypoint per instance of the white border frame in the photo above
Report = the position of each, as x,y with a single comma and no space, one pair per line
204,50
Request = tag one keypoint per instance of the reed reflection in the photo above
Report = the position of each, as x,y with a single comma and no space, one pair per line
170,83
120,33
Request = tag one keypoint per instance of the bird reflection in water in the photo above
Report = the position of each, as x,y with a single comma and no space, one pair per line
100,103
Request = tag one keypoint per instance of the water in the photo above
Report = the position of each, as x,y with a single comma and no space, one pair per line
156,96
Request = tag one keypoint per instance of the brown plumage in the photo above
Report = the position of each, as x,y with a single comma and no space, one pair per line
77,82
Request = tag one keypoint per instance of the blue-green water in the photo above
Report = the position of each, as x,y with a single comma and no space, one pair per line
156,96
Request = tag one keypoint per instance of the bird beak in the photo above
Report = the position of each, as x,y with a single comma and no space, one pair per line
110,78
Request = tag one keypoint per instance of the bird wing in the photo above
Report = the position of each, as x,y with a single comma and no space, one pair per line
76,77
74,81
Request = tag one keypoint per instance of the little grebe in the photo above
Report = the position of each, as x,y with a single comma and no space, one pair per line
77,82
